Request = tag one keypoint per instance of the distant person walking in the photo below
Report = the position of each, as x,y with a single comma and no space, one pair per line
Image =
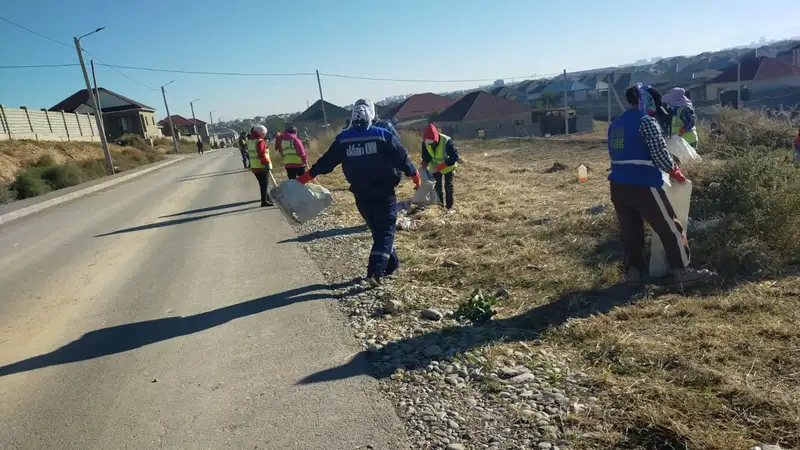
438,151
295,159
260,165
199,146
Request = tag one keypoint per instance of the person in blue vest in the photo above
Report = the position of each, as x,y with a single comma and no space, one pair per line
377,121
373,161
639,160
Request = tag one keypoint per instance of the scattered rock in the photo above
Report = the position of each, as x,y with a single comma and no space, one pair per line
523,378
767,447
456,447
391,306
596,210
544,445
432,350
432,314
154,381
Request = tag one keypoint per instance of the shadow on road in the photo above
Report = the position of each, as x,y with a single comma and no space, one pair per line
182,220
326,233
210,208
457,339
200,176
121,338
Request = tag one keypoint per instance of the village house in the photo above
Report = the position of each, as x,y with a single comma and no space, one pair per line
755,75
121,115
185,128
312,120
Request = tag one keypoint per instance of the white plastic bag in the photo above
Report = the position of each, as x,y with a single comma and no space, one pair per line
677,146
301,202
426,194
679,195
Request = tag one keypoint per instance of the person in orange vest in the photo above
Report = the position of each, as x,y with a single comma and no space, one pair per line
438,151
260,164
293,153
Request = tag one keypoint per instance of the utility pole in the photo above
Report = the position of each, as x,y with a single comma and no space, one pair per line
322,101
194,119
98,120
739,84
96,91
566,112
608,95
169,117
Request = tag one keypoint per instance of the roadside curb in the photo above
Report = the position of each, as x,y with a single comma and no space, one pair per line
28,210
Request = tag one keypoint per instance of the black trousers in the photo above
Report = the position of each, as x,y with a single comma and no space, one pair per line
447,180
294,172
263,184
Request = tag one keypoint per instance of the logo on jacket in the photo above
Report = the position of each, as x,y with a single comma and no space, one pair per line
367,148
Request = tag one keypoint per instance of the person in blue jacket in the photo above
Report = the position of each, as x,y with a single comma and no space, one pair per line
378,122
373,161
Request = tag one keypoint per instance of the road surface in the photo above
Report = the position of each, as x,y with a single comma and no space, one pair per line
164,313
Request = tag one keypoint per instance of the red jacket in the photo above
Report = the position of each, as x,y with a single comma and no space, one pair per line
298,145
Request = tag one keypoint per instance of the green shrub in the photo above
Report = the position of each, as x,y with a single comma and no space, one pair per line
92,168
60,176
134,155
478,308
162,142
44,161
7,195
29,184
136,141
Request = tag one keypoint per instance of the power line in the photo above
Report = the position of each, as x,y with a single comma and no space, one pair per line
200,72
39,66
35,32
103,63
406,80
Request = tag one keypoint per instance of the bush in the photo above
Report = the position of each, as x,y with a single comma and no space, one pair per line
478,308
7,195
93,168
29,184
162,142
60,176
44,161
136,141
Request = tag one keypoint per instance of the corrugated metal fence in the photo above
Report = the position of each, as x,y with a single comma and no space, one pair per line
43,125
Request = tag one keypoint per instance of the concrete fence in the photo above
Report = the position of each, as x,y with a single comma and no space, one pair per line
43,125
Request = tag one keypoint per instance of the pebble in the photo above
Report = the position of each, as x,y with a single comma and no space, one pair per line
544,445
432,314
456,447
523,378
391,306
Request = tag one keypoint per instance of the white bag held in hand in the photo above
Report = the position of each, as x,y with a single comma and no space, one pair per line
426,194
677,146
301,202
679,195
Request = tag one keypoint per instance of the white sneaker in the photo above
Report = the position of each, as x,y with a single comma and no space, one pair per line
688,276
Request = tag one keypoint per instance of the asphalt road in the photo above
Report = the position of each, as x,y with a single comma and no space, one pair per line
164,313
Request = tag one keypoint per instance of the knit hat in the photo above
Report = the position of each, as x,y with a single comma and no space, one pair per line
430,133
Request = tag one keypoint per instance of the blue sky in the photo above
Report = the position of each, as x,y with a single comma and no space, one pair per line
408,39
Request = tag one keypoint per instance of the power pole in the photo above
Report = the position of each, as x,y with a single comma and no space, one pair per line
566,113
194,119
739,84
608,95
97,118
322,101
96,91
169,117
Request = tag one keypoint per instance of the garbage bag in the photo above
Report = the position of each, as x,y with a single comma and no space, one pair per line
679,195
426,194
301,202
677,146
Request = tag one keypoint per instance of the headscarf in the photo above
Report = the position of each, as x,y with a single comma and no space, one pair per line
676,97
363,114
647,104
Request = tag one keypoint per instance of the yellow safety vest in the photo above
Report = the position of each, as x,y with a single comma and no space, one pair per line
677,123
438,154
290,155
252,152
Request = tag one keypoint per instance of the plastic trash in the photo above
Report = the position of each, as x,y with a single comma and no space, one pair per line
301,202
426,194
677,146
583,174
679,195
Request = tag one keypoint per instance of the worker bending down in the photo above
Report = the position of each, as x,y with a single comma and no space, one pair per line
373,161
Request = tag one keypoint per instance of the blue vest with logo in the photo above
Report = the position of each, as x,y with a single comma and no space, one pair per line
366,160
631,162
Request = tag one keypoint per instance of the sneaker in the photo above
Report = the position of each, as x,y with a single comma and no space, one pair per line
267,203
633,276
372,282
688,276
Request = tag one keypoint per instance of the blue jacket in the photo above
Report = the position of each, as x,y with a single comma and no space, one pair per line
450,153
631,162
381,123
373,160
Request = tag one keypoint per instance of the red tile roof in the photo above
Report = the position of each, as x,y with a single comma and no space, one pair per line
481,105
757,69
419,105
179,121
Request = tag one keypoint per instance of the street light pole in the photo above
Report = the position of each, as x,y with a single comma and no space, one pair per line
169,117
97,118
194,119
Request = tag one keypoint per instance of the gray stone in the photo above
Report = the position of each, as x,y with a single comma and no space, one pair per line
432,314
766,447
453,424
456,447
452,380
523,378
432,350
544,445
391,306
